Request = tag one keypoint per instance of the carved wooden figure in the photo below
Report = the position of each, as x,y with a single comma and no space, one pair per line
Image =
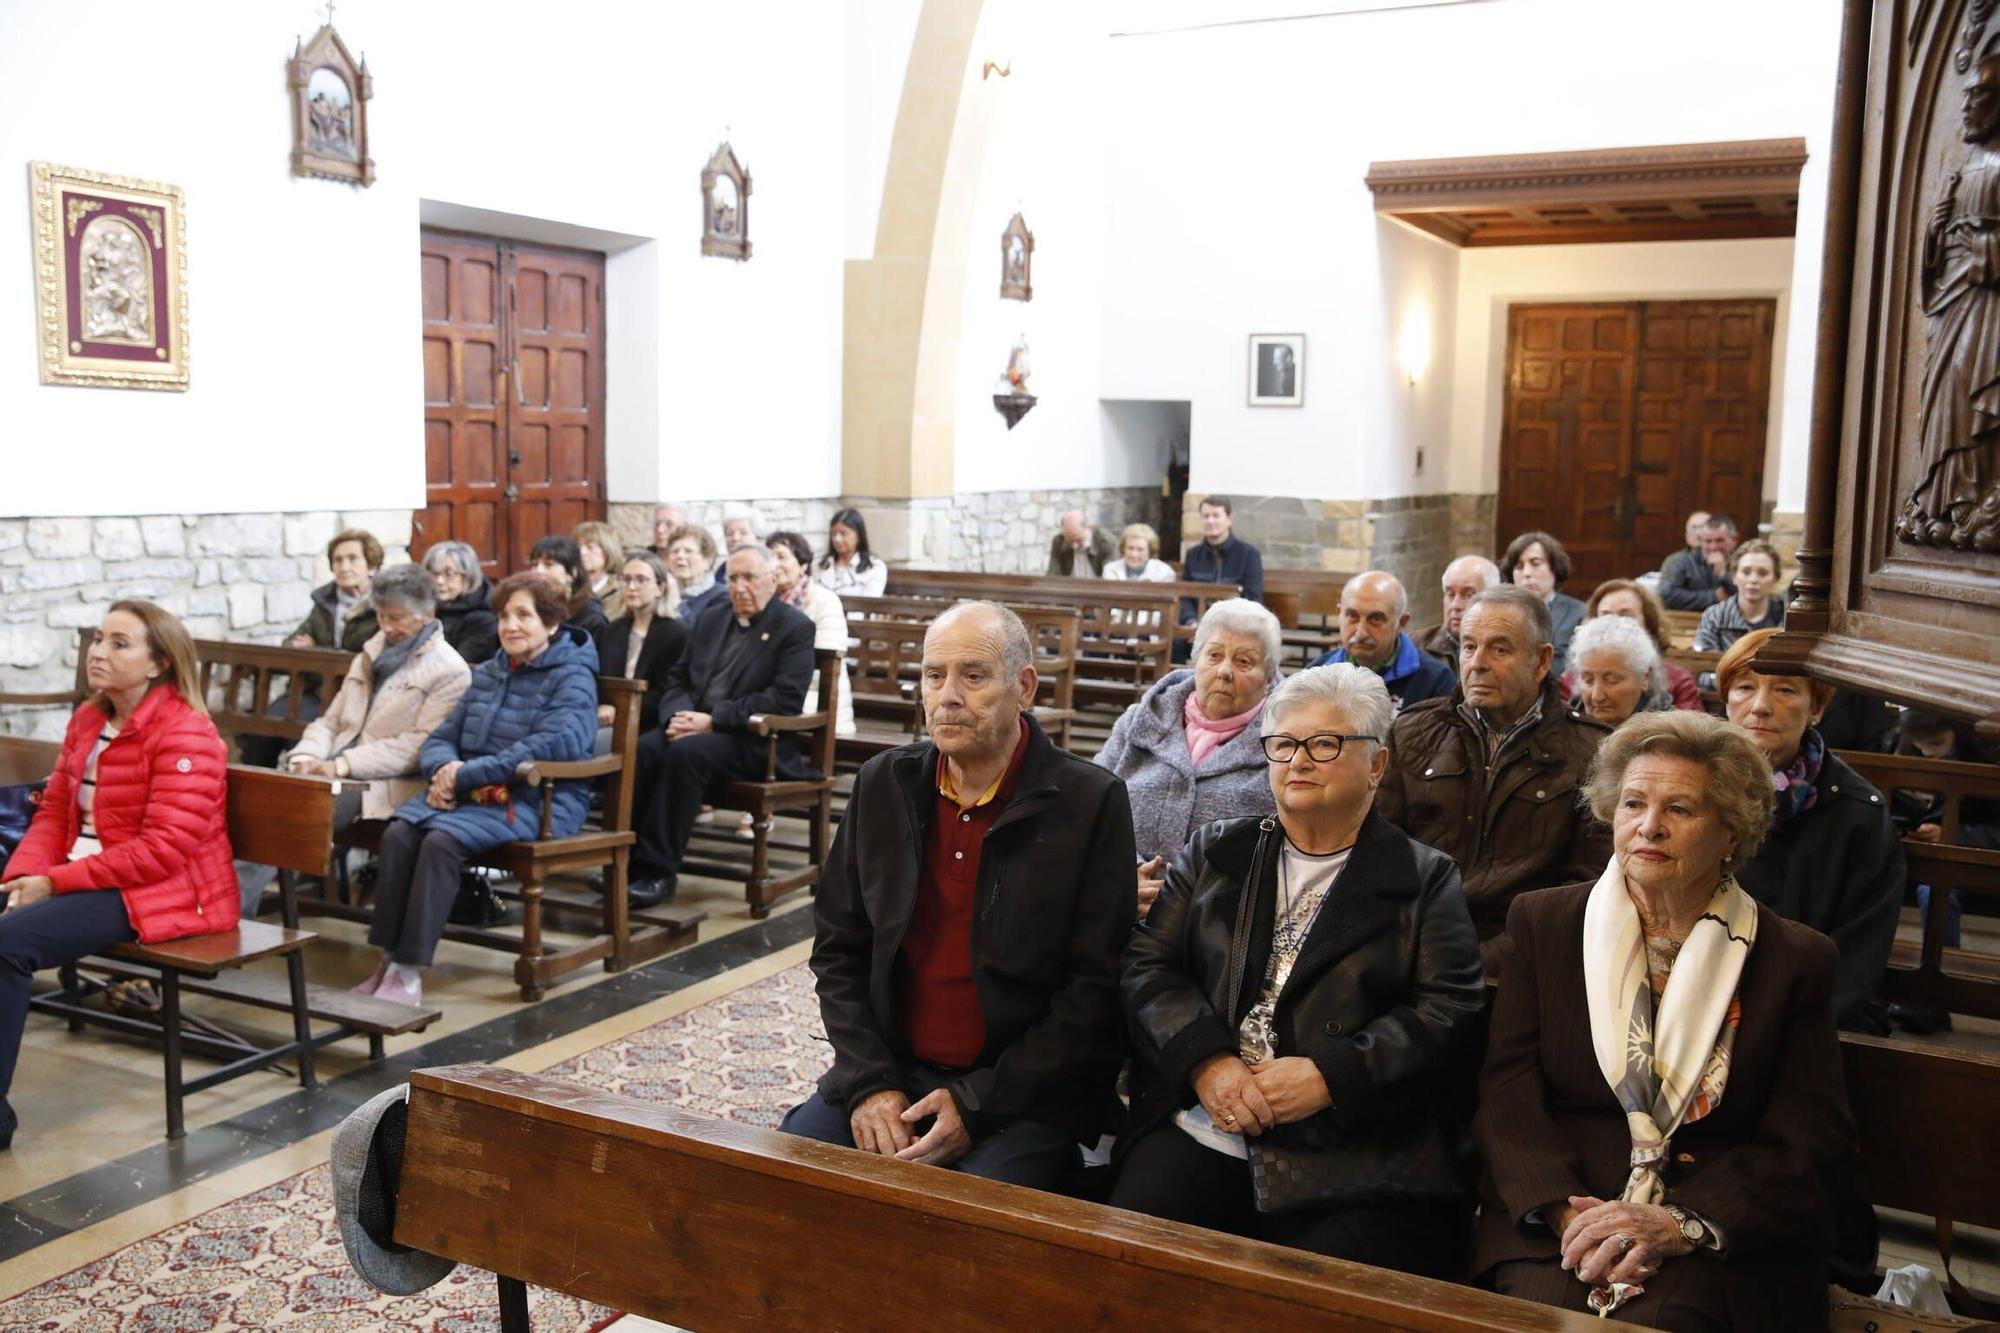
725,205
330,93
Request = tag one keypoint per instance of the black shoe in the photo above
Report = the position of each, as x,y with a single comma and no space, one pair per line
595,883
9,1122
651,892
1920,1019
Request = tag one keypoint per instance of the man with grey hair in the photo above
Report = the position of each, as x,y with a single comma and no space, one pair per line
969,924
1464,579
738,530
1489,775
749,655
1374,615
1079,550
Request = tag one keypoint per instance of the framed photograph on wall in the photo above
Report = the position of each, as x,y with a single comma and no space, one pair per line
1277,369
110,279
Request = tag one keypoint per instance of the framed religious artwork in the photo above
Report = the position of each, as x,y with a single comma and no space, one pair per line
1017,261
725,205
1277,369
330,93
110,279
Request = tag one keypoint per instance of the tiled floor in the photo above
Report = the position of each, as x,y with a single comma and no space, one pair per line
91,1153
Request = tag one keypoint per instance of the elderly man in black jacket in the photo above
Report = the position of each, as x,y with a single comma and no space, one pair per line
969,924
749,655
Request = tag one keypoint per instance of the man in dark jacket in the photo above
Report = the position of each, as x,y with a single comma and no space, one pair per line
1221,556
1489,774
1079,550
1374,613
1464,579
968,930
1698,578
749,655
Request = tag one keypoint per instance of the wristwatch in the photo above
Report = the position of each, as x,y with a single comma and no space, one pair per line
1693,1230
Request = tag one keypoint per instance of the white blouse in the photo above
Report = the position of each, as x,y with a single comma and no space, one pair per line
838,577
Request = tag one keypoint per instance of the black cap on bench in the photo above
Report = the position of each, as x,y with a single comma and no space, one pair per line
367,1162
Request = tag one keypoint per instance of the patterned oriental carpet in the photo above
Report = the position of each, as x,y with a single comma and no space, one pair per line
272,1260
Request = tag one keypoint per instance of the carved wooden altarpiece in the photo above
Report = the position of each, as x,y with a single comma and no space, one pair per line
1017,258
1898,592
330,92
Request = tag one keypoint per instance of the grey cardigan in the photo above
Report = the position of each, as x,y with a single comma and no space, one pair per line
1170,798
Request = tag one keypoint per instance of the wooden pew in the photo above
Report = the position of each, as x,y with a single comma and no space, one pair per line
277,819
709,1224
1307,605
1925,971
617,936
1679,627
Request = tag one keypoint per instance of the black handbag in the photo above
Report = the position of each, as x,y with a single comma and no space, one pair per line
476,904
18,803
1310,1164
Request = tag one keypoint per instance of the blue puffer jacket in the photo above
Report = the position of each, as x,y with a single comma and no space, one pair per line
545,709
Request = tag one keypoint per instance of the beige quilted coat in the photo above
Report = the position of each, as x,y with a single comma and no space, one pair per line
385,734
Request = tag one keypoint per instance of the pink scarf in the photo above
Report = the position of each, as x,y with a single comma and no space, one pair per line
796,594
1205,737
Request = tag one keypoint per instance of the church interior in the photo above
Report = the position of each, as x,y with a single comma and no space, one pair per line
454,868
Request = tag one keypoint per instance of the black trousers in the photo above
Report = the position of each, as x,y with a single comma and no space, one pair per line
673,779
1167,1174
59,929
414,891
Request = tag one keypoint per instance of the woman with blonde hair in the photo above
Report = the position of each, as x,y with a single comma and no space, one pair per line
132,837
1139,557
603,556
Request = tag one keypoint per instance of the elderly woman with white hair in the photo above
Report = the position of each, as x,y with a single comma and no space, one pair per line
1615,671
1188,751
1304,990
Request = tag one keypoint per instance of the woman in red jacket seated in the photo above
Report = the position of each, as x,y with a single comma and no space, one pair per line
131,840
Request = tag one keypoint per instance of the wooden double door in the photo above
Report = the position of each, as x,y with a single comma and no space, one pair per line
1621,417
513,394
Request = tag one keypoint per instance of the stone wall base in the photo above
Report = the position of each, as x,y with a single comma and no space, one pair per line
234,576
1000,532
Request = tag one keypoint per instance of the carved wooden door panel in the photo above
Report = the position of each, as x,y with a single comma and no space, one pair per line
513,394
1566,445
1620,417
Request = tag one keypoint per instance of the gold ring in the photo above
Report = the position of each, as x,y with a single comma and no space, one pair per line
1229,1116
1625,1243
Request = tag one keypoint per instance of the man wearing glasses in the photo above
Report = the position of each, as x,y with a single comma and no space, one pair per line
1489,774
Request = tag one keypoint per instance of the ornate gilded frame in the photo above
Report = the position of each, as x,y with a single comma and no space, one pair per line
318,132
1017,278
725,231
123,324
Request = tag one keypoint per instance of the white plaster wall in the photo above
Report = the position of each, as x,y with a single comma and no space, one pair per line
879,33
304,294
1490,280
1240,207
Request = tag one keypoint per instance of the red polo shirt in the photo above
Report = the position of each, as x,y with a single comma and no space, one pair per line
942,1019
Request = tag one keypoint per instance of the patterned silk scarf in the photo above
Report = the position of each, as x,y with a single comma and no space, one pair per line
1668,1068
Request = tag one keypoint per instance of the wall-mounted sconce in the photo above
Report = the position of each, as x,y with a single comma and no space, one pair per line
1413,349
992,67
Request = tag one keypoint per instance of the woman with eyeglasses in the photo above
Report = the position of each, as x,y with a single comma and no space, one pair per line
1302,994
645,641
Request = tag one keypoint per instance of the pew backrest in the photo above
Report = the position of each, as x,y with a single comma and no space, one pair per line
241,682
713,1224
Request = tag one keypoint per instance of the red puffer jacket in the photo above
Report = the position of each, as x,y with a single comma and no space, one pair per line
160,813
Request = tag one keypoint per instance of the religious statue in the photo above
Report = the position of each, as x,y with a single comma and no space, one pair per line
1956,500
116,283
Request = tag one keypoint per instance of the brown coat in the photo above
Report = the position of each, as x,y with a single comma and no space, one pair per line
1519,827
1439,643
1764,1167
380,736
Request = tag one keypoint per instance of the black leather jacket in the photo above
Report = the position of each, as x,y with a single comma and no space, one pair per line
1385,997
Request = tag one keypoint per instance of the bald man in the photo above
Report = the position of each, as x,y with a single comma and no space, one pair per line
1374,618
1464,579
968,930
1079,550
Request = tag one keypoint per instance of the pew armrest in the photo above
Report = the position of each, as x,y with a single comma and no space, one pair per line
538,772
40,700
770,724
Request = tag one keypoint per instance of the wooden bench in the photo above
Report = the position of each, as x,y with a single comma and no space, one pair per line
276,819
1678,627
1307,605
1926,971
623,937
709,1224
888,639
773,795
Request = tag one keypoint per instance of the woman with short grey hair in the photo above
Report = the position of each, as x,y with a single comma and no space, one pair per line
1187,749
468,622
1303,989
1615,671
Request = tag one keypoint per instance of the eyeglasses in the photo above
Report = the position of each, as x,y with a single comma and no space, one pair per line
1323,748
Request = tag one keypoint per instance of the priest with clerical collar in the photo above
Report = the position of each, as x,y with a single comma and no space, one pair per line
968,929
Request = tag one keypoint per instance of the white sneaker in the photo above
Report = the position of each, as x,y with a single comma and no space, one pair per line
401,992
374,979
